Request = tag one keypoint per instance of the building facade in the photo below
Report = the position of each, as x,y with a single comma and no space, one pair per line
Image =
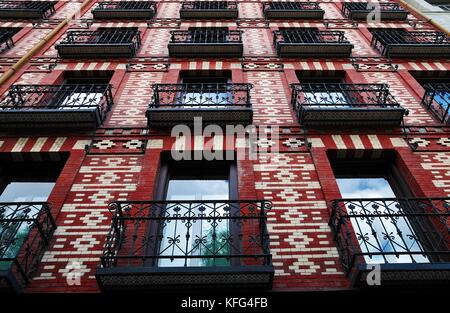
435,10
331,145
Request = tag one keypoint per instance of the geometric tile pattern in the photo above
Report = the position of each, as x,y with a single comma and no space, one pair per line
269,100
250,10
31,78
258,42
360,46
134,96
169,10
68,9
331,11
300,238
84,219
438,164
27,43
417,114
155,43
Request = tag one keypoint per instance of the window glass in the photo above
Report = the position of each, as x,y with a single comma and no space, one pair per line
14,231
78,99
190,238
208,92
443,99
26,192
380,233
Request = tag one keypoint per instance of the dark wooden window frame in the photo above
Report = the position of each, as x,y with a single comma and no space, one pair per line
190,169
384,167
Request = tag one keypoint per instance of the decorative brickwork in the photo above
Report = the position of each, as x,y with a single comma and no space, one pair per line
120,159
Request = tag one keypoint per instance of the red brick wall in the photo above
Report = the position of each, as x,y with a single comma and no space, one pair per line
300,182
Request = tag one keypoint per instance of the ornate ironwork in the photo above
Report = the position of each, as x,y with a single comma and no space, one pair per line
27,9
206,36
292,9
6,38
311,42
308,36
397,42
336,103
209,9
61,98
209,5
391,231
25,231
437,100
290,6
100,42
187,233
125,9
70,96
335,95
201,95
361,9
205,42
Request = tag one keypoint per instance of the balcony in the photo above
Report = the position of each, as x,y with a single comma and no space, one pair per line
206,43
437,100
292,10
176,245
125,10
311,43
103,43
361,10
408,238
215,103
404,44
330,104
209,10
6,38
34,10
55,106
25,231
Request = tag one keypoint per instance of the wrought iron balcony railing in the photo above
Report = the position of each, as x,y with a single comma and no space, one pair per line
83,105
25,231
292,10
311,43
401,43
209,9
195,244
102,43
124,10
409,238
206,43
361,10
218,103
437,100
6,38
26,9
332,104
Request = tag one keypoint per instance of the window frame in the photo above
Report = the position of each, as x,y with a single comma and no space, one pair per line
383,167
191,169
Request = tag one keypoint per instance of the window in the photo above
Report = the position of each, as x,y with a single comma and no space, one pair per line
82,89
202,185
437,92
205,90
6,37
329,91
24,188
383,229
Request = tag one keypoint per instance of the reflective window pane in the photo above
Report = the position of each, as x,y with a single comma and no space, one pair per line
13,231
377,232
195,237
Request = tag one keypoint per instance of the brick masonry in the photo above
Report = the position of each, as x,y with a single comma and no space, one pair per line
299,181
